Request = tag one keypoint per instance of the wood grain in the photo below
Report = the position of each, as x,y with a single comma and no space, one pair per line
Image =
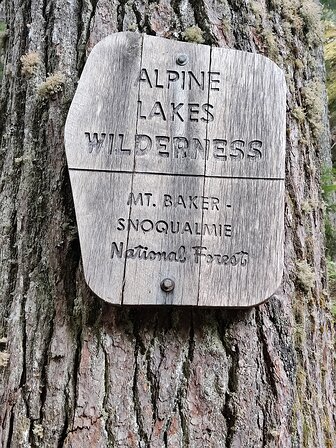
251,265
251,108
100,201
185,274
177,171
105,101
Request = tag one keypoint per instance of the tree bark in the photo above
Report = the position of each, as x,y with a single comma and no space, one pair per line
77,372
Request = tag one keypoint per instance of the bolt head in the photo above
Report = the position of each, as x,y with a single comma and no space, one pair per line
167,285
182,59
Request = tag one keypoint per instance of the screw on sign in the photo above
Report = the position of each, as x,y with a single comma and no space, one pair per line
167,285
182,59
176,160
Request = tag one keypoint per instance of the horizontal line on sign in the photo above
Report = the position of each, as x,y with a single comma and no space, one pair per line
175,175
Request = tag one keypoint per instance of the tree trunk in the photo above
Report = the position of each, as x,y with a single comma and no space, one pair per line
77,372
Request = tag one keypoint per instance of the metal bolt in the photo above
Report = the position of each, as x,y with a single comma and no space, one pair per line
167,285
182,59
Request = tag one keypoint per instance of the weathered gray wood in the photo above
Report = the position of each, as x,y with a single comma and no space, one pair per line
251,107
177,170
251,268
105,101
147,275
104,104
100,200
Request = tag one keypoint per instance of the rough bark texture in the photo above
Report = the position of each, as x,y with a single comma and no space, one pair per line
79,373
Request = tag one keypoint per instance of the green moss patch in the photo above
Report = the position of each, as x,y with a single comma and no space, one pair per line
330,58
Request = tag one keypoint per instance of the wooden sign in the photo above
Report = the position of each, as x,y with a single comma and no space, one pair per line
176,155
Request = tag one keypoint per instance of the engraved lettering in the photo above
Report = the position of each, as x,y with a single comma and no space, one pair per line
141,199
121,224
213,80
180,147
214,203
175,111
219,146
146,225
234,260
210,229
173,227
244,259
111,141
167,202
185,80
205,203
148,197
191,202
186,228
161,145
133,224
144,77
157,111
198,148
209,115
160,86
193,109
228,230
143,144
236,148
143,253
173,76
121,149
132,200
254,149
238,259
143,117
180,201
224,259
117,251
198,253
95,143
130,253
180,255
192,77
162,227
